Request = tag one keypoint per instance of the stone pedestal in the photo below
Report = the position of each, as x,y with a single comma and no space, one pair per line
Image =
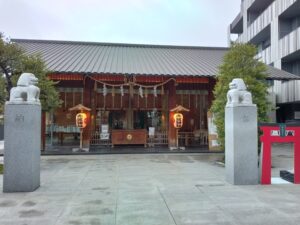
22,147
241,156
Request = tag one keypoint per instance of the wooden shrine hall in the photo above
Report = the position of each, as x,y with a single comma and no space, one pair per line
130,90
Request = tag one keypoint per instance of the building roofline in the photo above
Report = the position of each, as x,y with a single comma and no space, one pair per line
117,44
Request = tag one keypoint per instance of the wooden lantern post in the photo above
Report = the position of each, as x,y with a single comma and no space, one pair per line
81,120
81,123
178,119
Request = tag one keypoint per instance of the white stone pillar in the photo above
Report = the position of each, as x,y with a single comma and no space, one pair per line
22,124
241,155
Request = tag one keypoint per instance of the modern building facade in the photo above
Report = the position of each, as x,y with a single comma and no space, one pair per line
274,27
131,91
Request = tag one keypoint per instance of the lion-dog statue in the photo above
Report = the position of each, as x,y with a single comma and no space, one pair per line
238,94
26,91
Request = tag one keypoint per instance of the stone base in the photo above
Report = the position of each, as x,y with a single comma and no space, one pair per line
177,148
22,147
80,149
287,175
241,155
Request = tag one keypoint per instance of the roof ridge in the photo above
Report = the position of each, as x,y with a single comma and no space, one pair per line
117,44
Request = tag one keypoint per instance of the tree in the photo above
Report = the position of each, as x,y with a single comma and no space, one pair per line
239,62
10,58
49,97
2,94
14,61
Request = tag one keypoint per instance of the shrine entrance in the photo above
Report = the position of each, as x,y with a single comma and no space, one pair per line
279,133
137,108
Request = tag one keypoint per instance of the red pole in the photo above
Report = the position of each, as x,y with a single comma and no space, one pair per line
266,163
297,160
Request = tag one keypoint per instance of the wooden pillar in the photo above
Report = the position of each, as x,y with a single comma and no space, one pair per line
43,131
171,104
87,100
129,113
211,85
93,107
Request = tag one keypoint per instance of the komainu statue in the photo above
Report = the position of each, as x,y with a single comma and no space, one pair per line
26,91
238,94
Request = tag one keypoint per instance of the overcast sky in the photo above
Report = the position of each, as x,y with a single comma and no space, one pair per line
172,22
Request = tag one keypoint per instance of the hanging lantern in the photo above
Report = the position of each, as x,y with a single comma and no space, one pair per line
141,92
104,90
155,91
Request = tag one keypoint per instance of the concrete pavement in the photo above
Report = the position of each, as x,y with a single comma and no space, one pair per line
149,189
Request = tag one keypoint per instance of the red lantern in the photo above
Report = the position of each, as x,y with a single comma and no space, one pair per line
178,120
81,120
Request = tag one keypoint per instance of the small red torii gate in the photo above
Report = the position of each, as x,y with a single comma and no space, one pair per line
279,133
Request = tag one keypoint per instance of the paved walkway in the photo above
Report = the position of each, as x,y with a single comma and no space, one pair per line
148,189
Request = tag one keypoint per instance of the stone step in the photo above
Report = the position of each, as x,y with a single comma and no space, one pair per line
287,175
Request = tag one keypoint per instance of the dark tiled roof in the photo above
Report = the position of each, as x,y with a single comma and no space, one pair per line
276,74
108,58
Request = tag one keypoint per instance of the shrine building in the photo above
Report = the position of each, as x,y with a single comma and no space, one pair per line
130,91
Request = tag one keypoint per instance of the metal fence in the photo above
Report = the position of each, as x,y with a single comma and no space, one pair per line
160,139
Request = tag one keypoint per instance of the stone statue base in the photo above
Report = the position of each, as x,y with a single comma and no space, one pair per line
22,147
241,156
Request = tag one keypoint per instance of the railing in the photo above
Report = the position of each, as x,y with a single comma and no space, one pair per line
262,21
265,18
283,5
264,56
63,134
236,21
96,139
289,43
287,91
248,3
159,139
60,128
241,38
196,138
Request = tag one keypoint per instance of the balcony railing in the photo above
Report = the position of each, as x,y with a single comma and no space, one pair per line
237,24
241,38
289,43
248,3
261,22
284,5
287,91
265,56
